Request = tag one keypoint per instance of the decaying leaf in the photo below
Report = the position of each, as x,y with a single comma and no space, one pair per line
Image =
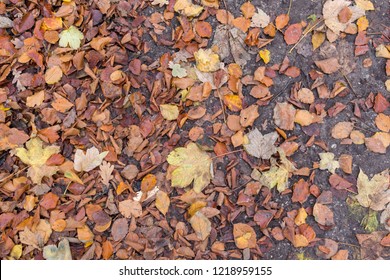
328,163
192,165
62,252
11,137
201,225
260,19
244,236
261,146
88,161
277,175
374,193
36,156
71,37
178,71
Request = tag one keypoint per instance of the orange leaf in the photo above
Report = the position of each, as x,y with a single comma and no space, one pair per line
248,9
148,183
281,21
233,102
53,75
107,250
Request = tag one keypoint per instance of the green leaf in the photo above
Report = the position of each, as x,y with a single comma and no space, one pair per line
370,221
178,71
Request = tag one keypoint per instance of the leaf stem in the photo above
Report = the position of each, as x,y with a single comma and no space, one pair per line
304,35
229,153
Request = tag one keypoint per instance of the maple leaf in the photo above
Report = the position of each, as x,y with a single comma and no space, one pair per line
62,252
277,175
328,163
261,146
373,193
90,160
36,156
72,37
106,172
207,60
192,164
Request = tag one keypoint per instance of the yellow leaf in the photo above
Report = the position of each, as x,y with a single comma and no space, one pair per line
317,39
16,252
192,164
362,24
201,225
36,156
373,193
73,177
196,206
277,175
207,60
365,5
51,23
72,37
300,241
187,8
162,202
300,219
85,235
265,55
328,163
169,112
233,102
53,75
382,51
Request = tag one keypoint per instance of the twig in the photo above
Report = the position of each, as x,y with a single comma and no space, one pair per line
222,106
5,179
304,34
289,8
229,153
349,83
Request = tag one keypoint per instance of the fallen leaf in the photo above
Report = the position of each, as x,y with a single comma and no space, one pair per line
72,37
317,39
300,191
375,145
169,112
261,146
130,208
244,236
284,115
107,250
192,164
382,121
265,55
306,96
263,218
281,21
345,162
105,172
119,229
17,250
53,75
36,156
178,71
339,183
207,60
374,193
362,24
36,99
62,252
300,219
85,235
323,215
365,5
249,115
260,19
342,130
148,183
293,33
11,137
328,163
201,225
88,161
328,66
248,9
162,202
382,51
187,8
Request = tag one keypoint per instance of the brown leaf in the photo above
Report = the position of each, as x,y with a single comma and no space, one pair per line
263,218
281,21
375,145
162,202
300,191
284,115
293,33
342,130
201,225
249,115
339,183
244,236
11,137
346,163
130,208
203,28
108,250
381,103
329,65
323,215
119,229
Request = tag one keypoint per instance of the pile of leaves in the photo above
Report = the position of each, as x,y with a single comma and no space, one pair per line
176,129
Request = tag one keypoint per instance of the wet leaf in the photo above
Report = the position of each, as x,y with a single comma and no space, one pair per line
192,165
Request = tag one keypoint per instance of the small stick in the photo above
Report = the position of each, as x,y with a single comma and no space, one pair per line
289,8
222,106
349,83
229,153
304,35
5,179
